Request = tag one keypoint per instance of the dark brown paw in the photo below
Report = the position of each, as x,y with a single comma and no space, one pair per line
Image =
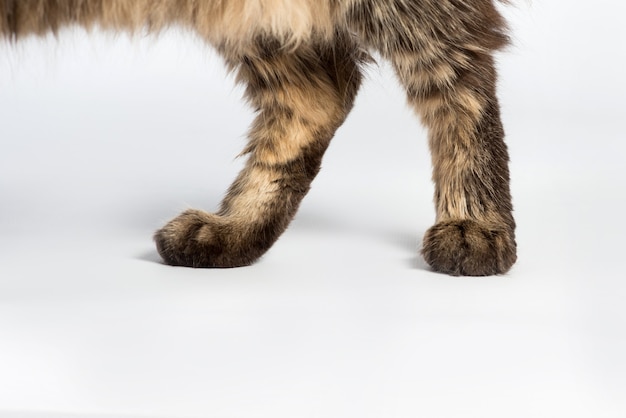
200,239
466,248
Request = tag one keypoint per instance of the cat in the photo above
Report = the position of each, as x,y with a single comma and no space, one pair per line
300,62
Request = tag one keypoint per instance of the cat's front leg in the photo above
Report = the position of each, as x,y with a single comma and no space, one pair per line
442,52
475,231
301,96
454,92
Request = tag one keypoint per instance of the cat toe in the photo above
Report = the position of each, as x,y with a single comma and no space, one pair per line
467,248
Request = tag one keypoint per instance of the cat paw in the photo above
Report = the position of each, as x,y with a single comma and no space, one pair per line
467,248
200,239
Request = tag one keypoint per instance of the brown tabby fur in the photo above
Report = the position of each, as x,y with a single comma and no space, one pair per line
300,62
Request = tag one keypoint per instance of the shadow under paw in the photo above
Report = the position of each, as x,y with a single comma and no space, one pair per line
467,248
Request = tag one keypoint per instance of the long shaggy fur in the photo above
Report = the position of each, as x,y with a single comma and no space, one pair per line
300,62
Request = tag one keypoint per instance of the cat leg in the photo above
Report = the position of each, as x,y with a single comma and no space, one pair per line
301,97
442,52
451,83
475,231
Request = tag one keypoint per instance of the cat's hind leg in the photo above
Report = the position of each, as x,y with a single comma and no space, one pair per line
301,97
442,52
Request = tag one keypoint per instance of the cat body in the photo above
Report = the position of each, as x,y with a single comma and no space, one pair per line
300,61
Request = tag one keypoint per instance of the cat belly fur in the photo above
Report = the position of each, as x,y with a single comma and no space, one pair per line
233,22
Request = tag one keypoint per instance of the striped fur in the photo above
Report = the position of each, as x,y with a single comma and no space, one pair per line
300,61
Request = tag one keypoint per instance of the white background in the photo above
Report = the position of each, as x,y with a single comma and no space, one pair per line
103,139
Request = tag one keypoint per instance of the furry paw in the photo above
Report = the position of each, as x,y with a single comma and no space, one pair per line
467,248
200,239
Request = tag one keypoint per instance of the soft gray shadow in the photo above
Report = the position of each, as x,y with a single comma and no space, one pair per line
405,239
151,257
418,263
410,242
